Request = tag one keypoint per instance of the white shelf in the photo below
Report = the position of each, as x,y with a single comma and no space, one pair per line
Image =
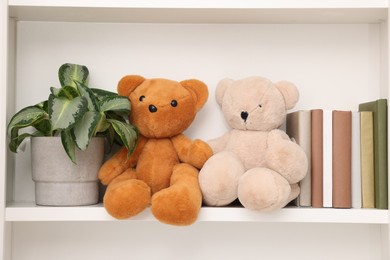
30,212
214,11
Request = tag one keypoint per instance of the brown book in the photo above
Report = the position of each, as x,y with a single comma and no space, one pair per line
341,158
316,158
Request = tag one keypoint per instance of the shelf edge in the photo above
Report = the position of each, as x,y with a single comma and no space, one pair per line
16,213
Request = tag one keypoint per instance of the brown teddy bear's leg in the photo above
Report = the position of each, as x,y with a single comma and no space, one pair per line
126,196
180,203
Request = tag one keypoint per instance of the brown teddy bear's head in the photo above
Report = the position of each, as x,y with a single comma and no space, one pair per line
162,108
255,103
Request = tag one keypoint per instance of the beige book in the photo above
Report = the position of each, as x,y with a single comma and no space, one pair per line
298,127
367,158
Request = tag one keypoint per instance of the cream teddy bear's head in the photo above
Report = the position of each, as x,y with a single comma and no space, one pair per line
255,103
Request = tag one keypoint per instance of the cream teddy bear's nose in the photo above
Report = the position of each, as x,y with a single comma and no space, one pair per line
244,115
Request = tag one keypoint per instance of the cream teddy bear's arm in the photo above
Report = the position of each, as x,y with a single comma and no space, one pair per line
286,157
219,144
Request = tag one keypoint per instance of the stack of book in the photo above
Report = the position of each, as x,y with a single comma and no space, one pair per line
347,153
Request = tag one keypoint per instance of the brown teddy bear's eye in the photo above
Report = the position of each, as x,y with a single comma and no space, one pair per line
141,98
174,103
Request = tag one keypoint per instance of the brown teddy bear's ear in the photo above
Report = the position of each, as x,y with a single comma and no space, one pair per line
221,89
128,83
289,92
198,90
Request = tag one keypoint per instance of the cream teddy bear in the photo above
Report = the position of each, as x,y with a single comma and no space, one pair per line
255,161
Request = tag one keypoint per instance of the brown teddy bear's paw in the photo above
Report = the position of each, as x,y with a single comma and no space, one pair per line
114,166
176,205
263,189
199,152
126,199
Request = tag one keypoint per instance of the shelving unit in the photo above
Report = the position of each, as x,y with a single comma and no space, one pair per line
336,52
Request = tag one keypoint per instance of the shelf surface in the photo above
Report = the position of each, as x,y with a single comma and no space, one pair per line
202,11
18,211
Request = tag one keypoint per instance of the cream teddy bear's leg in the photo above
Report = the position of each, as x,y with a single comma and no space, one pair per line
219,178
263,189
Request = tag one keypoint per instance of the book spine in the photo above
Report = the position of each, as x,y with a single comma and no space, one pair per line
305,142
367,158
379,109
380,155
327,159
316,158
298,127
341,159
355,164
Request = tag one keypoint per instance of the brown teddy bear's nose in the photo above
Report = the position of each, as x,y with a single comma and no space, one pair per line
244,115
152,108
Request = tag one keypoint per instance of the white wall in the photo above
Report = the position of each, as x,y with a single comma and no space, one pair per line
334,67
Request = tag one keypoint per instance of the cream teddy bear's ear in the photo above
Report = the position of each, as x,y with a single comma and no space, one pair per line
289,92
221,89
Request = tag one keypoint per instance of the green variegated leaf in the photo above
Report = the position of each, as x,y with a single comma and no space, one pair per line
85,128
44,127
113,103
68,92
64,113
43,105
89,95
127,133
110,135
55,91
103,125
69,145
118,115
25,117
15,142
101,94
69,73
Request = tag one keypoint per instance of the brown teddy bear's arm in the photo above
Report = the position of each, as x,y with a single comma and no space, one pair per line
194,152
219,144
120,162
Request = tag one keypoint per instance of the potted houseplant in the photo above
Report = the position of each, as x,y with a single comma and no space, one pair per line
68,134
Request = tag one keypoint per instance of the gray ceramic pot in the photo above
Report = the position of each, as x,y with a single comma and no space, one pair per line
59,182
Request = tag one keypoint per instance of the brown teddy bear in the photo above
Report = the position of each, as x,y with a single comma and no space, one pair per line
255,161
163,170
